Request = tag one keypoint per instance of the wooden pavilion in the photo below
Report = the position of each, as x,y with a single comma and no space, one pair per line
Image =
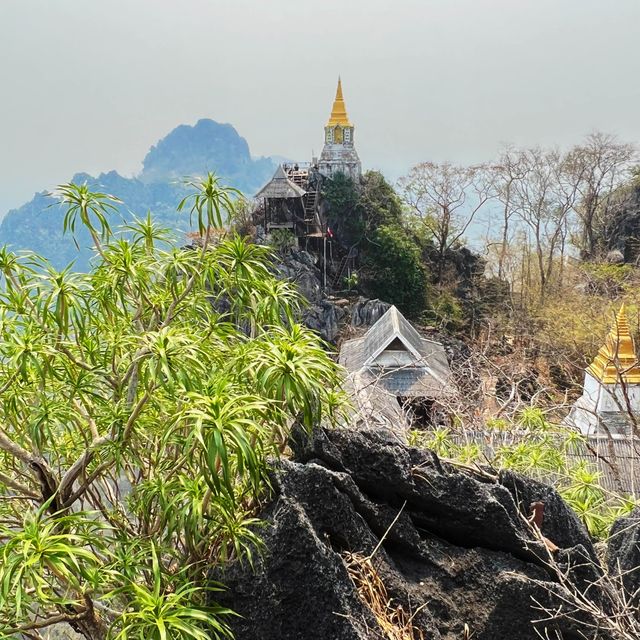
283,204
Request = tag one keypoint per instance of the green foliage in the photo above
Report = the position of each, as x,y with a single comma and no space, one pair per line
393,271
282,241
543,451
41,547
497,424
357,210
445,310
242,221
162,613
139,405
351,281
533,418
345,214
212,203
90,208
379,201
609,280
370,216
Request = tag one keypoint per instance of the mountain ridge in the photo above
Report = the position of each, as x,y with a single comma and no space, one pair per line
186,150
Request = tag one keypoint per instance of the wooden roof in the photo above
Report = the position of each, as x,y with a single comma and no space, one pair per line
280,187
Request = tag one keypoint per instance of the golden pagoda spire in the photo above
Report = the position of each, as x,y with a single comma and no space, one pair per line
616,361
339,111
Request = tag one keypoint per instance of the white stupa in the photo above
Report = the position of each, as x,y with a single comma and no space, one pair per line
611,391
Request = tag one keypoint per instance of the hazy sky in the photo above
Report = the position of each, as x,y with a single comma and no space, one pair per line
91,84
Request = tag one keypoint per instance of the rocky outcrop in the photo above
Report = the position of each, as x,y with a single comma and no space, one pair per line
560,523
321,314
300,267
325,314
622,226
365,312
623,555
326,318
451,548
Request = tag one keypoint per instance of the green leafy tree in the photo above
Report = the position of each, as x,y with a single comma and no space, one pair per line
393,271
138,406
345,213
357,210
379,202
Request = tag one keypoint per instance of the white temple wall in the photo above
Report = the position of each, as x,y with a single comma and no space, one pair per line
611,397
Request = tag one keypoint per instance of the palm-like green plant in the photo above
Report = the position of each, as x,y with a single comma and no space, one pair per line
211,203
439,440
55,557
469,453
532,418
141,402
91,208
162,612
290,369
148,233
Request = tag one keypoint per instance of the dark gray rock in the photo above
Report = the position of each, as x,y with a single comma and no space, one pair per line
450,547
366,313
299,267
622,225
623,554
325,318
298,571
560,524
321,315
325,314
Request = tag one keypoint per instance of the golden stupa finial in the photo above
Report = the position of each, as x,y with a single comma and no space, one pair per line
339,110
616,361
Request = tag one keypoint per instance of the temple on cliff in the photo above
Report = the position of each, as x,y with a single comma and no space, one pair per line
610,400
290,200
339,154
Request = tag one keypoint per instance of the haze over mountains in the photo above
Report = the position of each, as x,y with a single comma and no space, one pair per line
185,151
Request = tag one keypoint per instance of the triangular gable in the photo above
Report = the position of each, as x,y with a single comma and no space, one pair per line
396,345
280,187
391,328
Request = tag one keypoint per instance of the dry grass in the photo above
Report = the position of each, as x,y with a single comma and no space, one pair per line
394,622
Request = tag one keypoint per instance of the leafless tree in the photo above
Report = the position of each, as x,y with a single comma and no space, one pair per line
601,608
446,197
544,197
599,165
508,172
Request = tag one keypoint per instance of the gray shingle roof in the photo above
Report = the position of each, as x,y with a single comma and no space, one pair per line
280,187
393,357
390,326
421,370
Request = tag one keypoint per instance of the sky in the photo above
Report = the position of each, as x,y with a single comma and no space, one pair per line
90,85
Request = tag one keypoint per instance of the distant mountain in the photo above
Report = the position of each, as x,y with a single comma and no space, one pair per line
186,151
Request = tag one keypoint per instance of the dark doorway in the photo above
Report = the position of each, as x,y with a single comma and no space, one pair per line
422,413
